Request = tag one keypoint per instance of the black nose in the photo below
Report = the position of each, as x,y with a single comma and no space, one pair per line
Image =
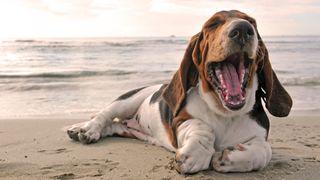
241,32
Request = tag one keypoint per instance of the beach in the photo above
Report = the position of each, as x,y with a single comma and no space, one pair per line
39,148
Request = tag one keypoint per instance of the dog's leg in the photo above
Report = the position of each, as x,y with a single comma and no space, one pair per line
124,107
129,128
195,146
252,155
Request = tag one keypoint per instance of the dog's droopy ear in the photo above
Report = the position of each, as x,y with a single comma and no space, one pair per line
184,78
278,101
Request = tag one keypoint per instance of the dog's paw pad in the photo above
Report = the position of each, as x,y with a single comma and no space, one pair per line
74,135
84,132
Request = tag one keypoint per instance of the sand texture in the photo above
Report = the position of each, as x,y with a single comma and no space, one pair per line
37,148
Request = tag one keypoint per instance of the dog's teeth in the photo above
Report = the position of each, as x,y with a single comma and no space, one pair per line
242,75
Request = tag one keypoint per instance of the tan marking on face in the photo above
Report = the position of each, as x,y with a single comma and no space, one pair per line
220,46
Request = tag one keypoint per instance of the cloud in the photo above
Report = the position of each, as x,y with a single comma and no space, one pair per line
70,8
148,17
82,8
200,8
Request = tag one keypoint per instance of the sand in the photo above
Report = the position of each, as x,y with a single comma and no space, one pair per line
37,148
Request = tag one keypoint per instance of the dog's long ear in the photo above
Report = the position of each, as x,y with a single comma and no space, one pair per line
184,78
278,101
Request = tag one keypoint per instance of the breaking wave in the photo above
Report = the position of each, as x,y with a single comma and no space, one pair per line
302,81
68,74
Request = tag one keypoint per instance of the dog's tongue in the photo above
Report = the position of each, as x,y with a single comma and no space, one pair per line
232,80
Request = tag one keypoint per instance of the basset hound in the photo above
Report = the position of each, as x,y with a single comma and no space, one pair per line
210,114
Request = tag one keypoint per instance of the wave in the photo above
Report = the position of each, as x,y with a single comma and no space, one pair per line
39,86
116,43
301,81
164,41
25,41
99,43
284,72
145,42
291,42
69,74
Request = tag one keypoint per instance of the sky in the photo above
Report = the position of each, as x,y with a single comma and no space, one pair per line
118,18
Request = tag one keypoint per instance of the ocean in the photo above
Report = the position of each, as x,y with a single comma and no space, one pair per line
44,77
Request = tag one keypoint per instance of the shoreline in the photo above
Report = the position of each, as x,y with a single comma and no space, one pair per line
37,148
89,114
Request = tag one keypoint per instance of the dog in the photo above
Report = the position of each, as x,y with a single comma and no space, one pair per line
211,113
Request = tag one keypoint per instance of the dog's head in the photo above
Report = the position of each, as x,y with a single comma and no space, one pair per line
225,59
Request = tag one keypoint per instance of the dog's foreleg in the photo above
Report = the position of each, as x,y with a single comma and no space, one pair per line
195,146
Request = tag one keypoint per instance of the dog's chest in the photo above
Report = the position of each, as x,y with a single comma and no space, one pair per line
232,131
227,131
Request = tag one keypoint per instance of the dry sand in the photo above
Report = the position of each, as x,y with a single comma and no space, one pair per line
37,148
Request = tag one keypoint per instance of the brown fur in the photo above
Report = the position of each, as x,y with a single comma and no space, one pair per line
171,134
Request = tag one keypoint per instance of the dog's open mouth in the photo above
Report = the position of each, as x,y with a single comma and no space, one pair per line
230,78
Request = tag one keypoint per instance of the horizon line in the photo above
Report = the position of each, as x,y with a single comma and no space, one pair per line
150,36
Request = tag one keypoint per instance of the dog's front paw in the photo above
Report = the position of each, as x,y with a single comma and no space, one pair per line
221,161
87,132
192,161
225,162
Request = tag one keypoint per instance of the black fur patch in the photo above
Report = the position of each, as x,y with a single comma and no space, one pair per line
165,112
259,114
129,94
156,97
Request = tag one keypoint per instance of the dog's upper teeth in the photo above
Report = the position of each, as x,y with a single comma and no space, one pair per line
220,77
242,73
245,78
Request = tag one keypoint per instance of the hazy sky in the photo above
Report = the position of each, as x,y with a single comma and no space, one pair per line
96,18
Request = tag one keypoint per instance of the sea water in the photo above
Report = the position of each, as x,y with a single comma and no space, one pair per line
81,76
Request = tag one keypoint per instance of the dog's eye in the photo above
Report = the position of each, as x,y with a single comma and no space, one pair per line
215,24
253,22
